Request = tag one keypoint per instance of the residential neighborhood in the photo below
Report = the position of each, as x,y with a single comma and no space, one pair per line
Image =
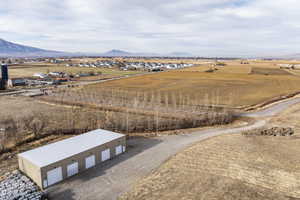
143,66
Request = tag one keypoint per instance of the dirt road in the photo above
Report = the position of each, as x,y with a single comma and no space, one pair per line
143,155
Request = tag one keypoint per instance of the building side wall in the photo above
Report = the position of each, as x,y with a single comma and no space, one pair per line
80,158
31,170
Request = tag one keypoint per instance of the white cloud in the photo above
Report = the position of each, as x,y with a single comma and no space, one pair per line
206,27
242,12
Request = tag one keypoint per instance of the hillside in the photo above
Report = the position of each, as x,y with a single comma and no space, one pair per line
116,52
10,49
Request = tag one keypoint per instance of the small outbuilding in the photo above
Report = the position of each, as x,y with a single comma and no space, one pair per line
52,163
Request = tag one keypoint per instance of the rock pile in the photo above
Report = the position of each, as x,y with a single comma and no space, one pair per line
274,131
16,186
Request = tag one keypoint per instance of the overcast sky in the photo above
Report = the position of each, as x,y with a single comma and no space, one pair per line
201,27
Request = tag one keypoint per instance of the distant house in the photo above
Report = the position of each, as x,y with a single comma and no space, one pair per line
296,66
285,66
156,70
84,74
56,74
40,75
16,82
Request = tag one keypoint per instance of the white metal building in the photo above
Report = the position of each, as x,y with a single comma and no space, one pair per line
50,164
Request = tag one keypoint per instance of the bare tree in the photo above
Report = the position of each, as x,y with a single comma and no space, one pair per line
36,123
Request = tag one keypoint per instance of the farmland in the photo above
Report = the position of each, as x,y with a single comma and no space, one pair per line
268,71
229,89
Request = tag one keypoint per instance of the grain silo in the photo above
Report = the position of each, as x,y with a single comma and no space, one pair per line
4,77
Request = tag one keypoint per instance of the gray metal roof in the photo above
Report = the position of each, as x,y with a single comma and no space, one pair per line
61,150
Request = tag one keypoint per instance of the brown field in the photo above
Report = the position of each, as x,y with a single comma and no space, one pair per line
236,66
22,106
245,168
230,68
29,70
294,72
276,61
231,89
269,71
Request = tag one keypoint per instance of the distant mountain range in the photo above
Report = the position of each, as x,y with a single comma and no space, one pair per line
180,54
10,49
116,52
292,56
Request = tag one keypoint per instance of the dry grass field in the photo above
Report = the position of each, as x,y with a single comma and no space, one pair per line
269,71
235,66
22,106
230,68
231,89
231,167
29,70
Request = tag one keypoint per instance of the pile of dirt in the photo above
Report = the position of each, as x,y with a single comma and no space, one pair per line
274,131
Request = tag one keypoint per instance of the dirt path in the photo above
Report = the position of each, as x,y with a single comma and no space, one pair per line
117,176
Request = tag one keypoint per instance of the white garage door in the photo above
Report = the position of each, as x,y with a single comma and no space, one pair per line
119,149
105,155
45,183
90,161
72,169
54,176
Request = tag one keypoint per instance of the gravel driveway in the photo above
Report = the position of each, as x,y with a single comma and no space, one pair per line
117,176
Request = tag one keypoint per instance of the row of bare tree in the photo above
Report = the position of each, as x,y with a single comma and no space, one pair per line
115,110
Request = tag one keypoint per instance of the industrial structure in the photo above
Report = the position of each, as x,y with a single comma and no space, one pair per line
4,77
52,163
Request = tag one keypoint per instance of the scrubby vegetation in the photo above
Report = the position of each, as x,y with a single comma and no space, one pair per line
274,131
